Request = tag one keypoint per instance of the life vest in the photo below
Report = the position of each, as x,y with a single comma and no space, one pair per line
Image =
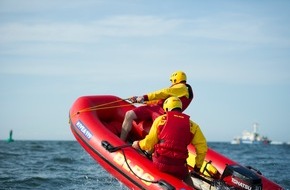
185,102
174,137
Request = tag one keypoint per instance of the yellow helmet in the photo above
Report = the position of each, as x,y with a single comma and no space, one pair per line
171,103
177,77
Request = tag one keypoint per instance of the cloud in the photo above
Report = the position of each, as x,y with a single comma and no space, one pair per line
240,73
223,73
59,47
242,30
49,32
237,28
138,26
119,26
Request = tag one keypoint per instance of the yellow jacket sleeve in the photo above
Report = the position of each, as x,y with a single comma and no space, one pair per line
178,90
199,142
151,139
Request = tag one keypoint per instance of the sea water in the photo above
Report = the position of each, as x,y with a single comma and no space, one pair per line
66,165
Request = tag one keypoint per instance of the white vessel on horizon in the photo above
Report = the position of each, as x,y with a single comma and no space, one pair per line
251,137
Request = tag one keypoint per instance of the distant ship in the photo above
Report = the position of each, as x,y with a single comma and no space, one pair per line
251,137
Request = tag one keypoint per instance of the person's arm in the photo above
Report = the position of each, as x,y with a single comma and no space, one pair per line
151,139
200,144
178,90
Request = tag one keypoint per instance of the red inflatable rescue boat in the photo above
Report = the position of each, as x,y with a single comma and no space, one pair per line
96,123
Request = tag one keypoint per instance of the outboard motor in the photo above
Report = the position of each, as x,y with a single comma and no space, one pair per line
241,178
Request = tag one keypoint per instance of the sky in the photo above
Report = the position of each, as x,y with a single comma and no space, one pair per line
235,54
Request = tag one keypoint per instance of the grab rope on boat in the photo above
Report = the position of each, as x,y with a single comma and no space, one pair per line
159,182
103,106
111,148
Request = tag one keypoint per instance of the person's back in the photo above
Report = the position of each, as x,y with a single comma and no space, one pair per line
174,137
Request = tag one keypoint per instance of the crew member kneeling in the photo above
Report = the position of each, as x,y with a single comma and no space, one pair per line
169,137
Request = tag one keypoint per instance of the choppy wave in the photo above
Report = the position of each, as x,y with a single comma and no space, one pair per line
65,165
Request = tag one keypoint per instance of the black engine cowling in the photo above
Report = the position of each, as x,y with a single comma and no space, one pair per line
241,178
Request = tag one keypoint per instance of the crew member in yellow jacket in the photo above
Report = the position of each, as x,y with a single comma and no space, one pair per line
153,102
169,137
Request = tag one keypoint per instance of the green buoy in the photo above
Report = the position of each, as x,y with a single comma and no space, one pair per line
10,139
